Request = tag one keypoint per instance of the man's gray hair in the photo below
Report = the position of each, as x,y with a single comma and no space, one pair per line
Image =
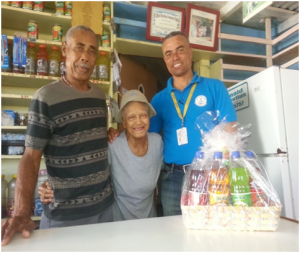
175,33
73,29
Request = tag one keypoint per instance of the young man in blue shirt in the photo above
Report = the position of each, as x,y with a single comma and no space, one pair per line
185,98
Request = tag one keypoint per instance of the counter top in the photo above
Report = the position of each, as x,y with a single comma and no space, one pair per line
155,234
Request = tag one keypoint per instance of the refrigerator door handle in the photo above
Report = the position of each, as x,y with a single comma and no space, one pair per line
280,152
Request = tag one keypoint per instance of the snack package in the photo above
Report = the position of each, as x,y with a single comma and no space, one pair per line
227,187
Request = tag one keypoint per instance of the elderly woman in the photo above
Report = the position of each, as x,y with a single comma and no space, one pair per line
135,160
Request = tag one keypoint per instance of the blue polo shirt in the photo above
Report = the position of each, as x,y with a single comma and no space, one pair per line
209,95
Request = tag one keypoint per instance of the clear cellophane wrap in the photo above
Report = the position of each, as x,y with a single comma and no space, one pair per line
200,209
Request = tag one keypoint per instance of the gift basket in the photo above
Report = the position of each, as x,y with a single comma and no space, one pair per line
226,186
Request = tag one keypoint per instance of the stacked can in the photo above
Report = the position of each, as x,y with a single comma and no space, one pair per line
68,8
33,31
28,5
57,33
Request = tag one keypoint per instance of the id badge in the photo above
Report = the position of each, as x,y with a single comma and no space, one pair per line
182,137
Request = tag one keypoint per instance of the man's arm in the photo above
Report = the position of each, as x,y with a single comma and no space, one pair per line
26,182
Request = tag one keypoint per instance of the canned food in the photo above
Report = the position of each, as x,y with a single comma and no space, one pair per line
28,5
7,3
68,8
17,4
105,40
60,8
33,31
38,6
57,32
106,13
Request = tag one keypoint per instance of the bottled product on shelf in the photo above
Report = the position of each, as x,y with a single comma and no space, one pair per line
257,193
28,5
105,38
59,8
30,68
198,176
103,67
62,66
106,12
38,6
54,62
218,182
94,74
68,8
38,206
10,58
11,196
4,185
239,181
42,61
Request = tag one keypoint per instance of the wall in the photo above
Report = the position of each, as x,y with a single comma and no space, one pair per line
134,73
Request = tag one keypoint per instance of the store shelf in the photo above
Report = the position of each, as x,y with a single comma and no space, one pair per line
148,49
34,81
28,81
15,100
286,55
34,218
10,157
14,128
45,20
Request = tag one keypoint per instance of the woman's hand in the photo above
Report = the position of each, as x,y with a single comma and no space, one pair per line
46,193
112,134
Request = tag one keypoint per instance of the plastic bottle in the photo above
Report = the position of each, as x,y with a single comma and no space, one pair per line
62,66
198,176
218,182
38,206
54,62
257,194
94,74
30,68
103,67
4,185
239,181
42,61
11,196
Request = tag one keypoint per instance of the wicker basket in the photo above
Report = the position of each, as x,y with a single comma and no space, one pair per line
231,217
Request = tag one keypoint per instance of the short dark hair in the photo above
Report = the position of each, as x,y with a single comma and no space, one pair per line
175,33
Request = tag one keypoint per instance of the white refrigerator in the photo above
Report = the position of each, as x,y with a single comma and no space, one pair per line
269,101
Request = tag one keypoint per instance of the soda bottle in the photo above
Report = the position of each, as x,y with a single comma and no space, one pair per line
198,176
42,61
218,182
30,68
54,62
4,185
257,194
38,206
239,182
103,67
11,196
62,66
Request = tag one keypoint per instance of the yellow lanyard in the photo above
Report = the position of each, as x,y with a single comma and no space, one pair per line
186,104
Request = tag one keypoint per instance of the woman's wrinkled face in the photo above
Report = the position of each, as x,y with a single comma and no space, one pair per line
136,119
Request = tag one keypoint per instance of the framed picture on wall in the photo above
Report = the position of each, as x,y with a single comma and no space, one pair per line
163,19
202,27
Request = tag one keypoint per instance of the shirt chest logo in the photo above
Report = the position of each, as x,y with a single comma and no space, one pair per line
201,101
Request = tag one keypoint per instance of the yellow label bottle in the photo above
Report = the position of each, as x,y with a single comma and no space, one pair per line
30,68
103,67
